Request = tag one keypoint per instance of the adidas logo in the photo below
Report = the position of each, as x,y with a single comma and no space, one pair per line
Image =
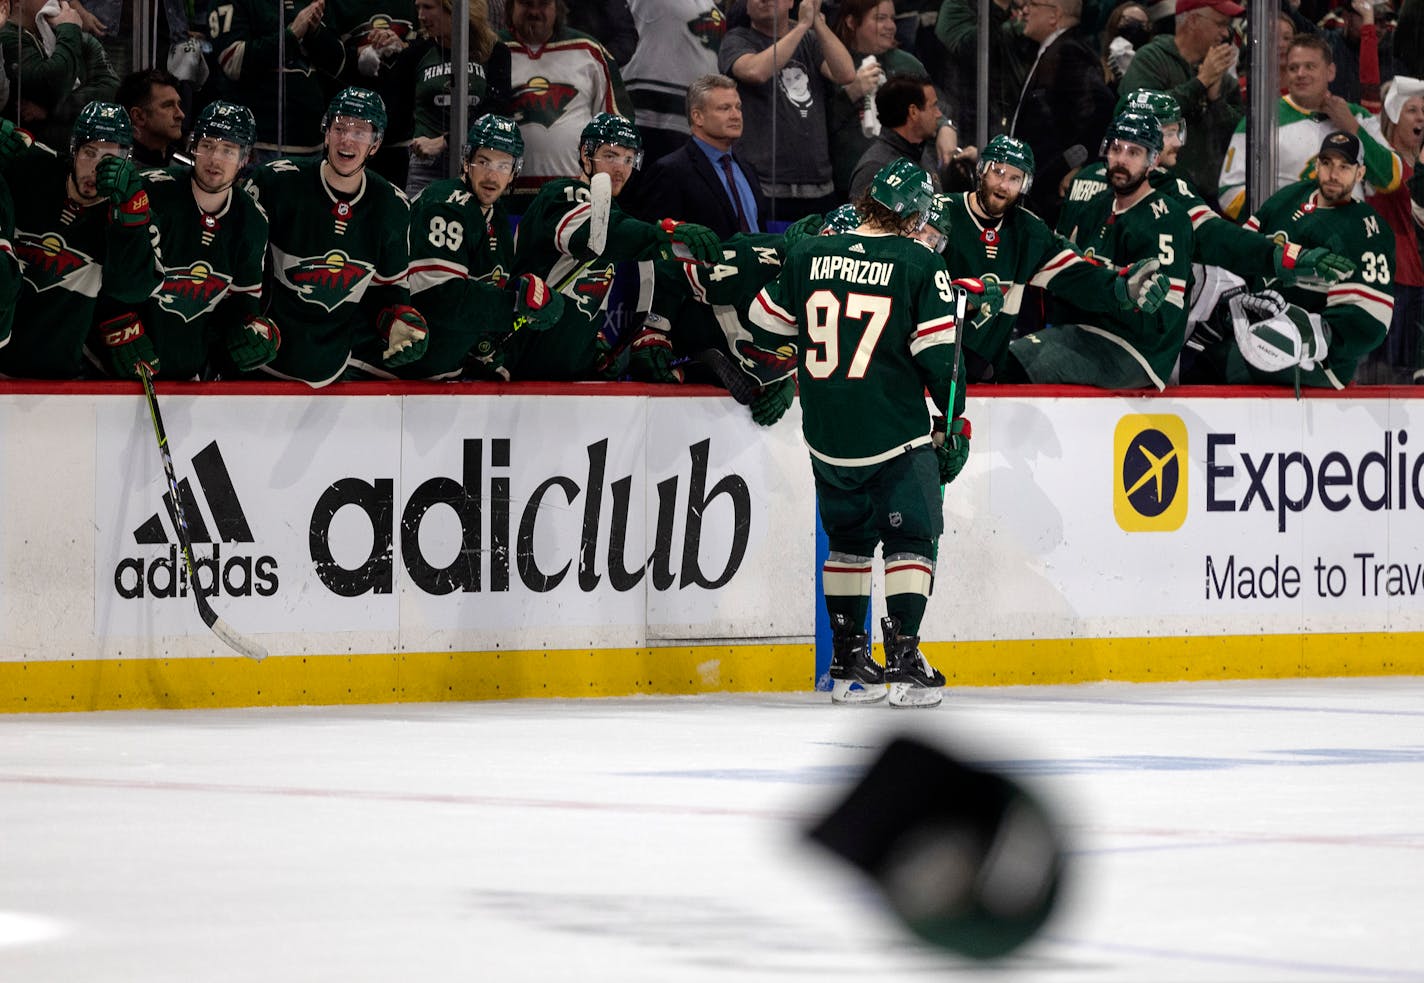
857,248
239,575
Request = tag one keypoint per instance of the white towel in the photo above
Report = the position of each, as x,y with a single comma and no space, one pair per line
42,25
1401,90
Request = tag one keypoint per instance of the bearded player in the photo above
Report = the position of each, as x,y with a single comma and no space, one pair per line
338,250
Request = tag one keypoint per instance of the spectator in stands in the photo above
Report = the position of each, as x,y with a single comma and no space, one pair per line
156,109
55,68
425,67
1194,66
1305,115
909,119
706,181
1128,29
1359,51
1401,357
785,72
677,43
610,21
1010,56
867,28
83,240
1064,106
111,21
246,46
561,79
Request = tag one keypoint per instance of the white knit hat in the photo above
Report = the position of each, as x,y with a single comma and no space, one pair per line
1401,90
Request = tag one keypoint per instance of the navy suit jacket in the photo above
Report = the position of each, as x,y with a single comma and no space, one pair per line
685,185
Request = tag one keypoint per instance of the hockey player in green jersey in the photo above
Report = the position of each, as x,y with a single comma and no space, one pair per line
1312,332
1126,349
874,318
338,253
1216,241
990,236
460,255
82,237
559,240
212,240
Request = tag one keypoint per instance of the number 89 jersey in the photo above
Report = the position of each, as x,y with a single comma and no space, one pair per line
874,319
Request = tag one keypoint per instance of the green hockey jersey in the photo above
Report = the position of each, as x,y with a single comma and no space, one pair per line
334,262
1021,250
1216,241
1156,225
873,317
70,255
244,34
552,242
1358,310
212,270
702,306
460,256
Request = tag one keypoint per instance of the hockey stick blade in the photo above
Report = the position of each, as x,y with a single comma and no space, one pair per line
600,199
221,628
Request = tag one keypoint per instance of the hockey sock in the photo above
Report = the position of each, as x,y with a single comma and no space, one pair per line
846,579
907,589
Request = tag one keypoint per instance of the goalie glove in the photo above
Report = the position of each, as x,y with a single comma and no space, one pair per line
405,334
118,179
1295,263
697,241
1141,287
951,446
253,343
13,141
773,401
651,357
127,346
1274,335
536,307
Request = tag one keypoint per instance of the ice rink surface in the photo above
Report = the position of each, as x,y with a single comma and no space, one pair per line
1220,831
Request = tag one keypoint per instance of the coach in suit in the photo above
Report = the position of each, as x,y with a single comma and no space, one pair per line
704,181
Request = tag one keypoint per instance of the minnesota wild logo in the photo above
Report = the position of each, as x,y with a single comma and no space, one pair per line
589,290
384,22
541,101
709,28
190,293
328,281
498,276
48,261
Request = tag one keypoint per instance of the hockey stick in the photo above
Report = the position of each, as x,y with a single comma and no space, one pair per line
210,617
600,200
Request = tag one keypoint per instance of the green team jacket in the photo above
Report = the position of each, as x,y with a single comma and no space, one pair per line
70,256
552,242
460,257
62,82
212,271
334,264
1358,310
874,320
1215,240
1021,251
1157,225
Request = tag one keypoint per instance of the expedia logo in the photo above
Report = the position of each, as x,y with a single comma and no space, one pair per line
521,544
1150,483
238,574
541,101
48,261
193,292
709,28
329,280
